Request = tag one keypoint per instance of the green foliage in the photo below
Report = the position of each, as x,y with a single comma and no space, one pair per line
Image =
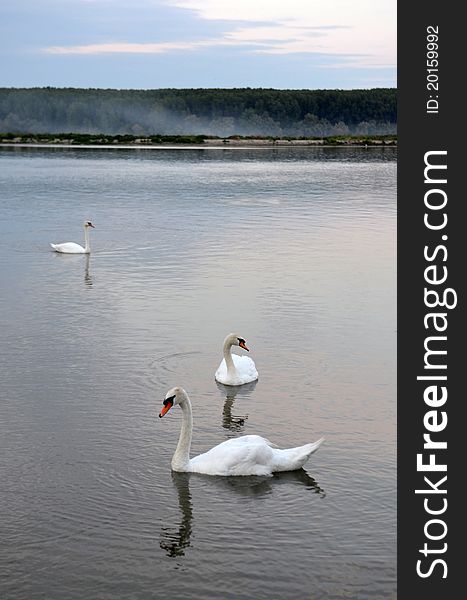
198,112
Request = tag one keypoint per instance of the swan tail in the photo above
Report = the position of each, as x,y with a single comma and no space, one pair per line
314,446
294,458
54,246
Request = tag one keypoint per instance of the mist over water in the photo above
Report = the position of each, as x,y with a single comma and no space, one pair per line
293,249
160,121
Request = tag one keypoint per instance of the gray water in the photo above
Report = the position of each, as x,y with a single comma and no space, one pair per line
292,249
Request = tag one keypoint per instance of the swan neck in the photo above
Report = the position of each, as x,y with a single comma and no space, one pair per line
181,457
228,357
87,246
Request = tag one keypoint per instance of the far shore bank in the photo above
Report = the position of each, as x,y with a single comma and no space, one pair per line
188,141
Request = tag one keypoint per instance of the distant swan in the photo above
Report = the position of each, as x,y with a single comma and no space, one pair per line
245,455
235,369
71,247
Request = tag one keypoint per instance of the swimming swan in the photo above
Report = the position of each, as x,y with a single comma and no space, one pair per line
71,247
245,455
235,369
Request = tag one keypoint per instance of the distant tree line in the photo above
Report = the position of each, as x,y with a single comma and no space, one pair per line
218,112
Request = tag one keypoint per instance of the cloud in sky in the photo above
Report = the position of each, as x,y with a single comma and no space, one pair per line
335,27
318,34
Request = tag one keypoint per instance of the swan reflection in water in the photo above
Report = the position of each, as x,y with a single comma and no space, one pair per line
87,274
78,258
175,540
235,423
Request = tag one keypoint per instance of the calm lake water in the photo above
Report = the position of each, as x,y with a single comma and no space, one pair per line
293,249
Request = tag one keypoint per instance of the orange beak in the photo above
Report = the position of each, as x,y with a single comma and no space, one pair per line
242,345
165,409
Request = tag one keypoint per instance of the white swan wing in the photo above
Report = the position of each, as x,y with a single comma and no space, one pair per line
246,455
245,367
68,248
245,371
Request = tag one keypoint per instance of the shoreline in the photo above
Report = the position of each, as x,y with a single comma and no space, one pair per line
206,145
100,140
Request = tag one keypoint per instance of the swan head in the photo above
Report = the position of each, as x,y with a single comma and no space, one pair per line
174,396
234,339
88,224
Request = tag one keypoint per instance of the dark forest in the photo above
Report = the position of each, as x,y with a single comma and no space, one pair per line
216,112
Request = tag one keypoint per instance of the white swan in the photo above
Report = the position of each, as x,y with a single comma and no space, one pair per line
71,247
235,369
245,455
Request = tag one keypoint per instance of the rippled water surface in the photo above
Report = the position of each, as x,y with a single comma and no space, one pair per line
292,249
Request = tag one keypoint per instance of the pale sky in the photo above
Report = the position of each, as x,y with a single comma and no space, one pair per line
198,43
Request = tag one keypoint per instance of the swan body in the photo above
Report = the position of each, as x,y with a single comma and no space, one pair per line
235,369
72,247
69,248
245,455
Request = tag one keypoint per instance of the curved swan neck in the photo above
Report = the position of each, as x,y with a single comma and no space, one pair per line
228,355
87,246
181,457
